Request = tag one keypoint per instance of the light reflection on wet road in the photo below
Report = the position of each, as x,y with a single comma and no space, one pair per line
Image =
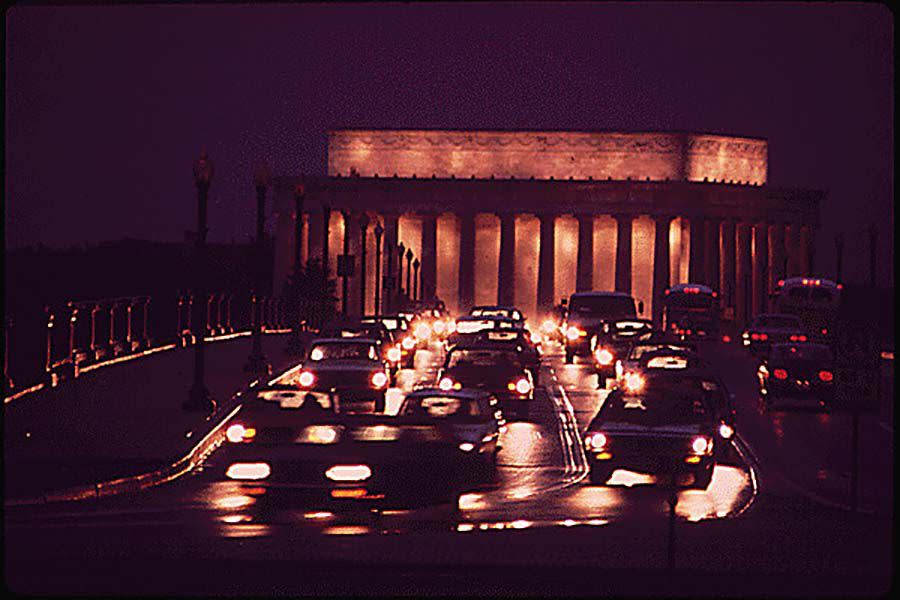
541,480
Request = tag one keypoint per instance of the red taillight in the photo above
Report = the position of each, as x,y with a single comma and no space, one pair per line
763,337
826,376
824,331
780,374
726,338
798,338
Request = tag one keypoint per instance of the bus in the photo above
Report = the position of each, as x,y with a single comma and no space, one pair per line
815,301
691,311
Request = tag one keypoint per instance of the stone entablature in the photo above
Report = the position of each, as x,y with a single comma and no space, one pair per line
558,155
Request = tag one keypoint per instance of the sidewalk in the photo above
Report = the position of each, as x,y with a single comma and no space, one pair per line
122,420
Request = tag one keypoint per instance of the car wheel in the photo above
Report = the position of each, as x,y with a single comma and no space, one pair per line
569,357
701,479
380,405
600,475
601,381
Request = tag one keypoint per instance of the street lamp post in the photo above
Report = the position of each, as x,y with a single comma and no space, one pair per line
199,398
409,257
401,252
256,362
363,229
379,231
295,344
415,293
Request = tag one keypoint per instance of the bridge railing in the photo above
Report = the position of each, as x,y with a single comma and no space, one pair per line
79,336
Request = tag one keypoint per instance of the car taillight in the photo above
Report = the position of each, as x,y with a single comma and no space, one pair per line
409,342
726,338
826,376
306,379
378,379
239,433
824,331
780,374
595,441
763,337
798,338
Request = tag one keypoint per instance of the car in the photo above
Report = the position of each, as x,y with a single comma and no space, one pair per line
352,367
515,340
300,445
473,415
648,343
389,348
510,312
668,428
768,328
586,314
612,341
403,337
498,371
429,320
797,374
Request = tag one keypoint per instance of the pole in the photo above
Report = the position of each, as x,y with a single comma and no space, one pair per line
299,197
400,257
199,398
257,362
409,257
379,231
364,227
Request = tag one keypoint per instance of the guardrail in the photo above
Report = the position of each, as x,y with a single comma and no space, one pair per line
83,335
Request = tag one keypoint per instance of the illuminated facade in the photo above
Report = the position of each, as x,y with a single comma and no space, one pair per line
526,218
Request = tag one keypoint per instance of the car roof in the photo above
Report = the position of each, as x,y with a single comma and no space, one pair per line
598,293
354,340
678,287
464,393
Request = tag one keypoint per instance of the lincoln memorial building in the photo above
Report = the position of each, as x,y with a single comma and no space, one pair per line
528,217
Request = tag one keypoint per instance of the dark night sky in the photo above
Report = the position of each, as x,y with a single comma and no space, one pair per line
107,106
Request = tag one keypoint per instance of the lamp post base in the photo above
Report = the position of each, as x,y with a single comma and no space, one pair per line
199,400
257,363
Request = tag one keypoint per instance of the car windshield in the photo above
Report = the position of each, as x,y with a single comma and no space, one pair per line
606,307
638,351
656,408
480,357
802,352
682,300
777,321
441,407
342,351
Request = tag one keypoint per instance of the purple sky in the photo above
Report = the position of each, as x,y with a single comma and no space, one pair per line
107,106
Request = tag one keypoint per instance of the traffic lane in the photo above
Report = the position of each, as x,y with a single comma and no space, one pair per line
807,451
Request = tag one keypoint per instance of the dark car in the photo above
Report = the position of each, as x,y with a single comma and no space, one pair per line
498,371
612,341
390,348
510,312
309,451
351,367
645,344
668,428
586,314
402,336
514,340
474,416
798,374
768,329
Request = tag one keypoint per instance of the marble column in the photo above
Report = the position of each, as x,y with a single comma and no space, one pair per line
697,265
506,277
791,242
660,265
805,251
727,289
743,274
778,255
584,274
760,267
466,261
428,273
546,263
711,253
389,255
623,252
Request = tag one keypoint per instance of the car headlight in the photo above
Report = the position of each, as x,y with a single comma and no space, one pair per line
423,331
445,384
439,327
238,433
701,445
726,431
306,379
409,343
467,446
595,441
523,386
319,434
252,471
573,333
379,379
634,382
548,326
348,473
394,354
604,356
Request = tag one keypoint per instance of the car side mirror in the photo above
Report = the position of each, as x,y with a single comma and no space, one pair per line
641,307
